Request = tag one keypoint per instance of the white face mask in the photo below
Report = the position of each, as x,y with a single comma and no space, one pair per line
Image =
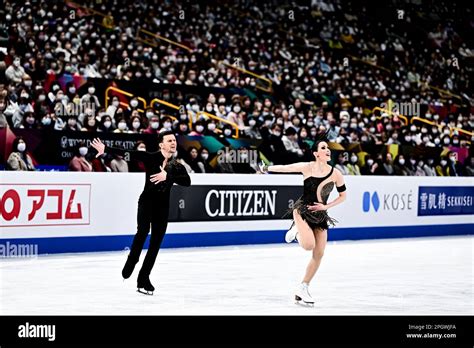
205,156
227,132
354,159
134,103
107,124
154,125
122,125
437,141
252,122
91,90
452,159
136,124
211,126
167,125
443,162
199,129
83,151
21,147
149,114
402,161
115,103
141,149
370,162
72,90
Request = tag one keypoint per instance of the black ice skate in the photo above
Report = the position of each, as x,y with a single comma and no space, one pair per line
144,286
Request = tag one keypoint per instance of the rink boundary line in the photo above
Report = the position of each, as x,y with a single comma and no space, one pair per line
52,245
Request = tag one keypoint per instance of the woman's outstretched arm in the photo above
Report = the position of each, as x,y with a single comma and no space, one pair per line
298,167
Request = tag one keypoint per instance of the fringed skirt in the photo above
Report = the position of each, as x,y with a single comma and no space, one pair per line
315,219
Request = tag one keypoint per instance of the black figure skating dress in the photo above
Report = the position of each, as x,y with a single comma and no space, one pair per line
316,190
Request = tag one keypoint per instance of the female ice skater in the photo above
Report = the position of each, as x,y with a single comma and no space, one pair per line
310,217
162,171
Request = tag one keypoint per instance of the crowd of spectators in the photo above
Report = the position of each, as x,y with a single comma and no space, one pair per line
312,55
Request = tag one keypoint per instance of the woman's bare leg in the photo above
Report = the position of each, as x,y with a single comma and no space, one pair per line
305,233
321,237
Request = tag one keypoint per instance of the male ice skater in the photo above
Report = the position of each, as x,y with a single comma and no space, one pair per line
162,171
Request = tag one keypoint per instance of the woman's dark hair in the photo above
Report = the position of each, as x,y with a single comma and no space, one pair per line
320,137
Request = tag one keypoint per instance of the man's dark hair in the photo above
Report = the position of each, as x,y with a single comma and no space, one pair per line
163,134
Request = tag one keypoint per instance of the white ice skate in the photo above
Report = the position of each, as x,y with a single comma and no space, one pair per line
290,236
302,295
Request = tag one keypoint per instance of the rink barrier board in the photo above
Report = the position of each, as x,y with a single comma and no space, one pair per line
184,240
376,207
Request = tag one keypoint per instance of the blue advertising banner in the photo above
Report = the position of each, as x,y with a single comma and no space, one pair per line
445,200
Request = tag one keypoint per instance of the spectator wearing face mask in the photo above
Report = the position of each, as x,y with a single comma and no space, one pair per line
251,130
454,168
442,169
90,99
136,124
47,122
71,92
122,126
369,167
113,107
205,159
167,124
198,129
15,72
106,124
211,128
399,166
79,162
353,166
153,126
20,159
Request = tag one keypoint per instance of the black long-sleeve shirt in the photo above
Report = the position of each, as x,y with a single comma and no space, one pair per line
175,172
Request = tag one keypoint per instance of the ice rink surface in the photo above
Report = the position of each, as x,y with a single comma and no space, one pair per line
412,276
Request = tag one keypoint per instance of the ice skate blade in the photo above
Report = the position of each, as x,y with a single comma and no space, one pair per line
299,301
145,292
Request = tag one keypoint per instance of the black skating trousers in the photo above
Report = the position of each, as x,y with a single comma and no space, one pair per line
153,204
154,213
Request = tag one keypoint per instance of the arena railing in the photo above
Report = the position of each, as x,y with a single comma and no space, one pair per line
158,37
191,115
391,113
451,129
128,95
267,89
107,20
